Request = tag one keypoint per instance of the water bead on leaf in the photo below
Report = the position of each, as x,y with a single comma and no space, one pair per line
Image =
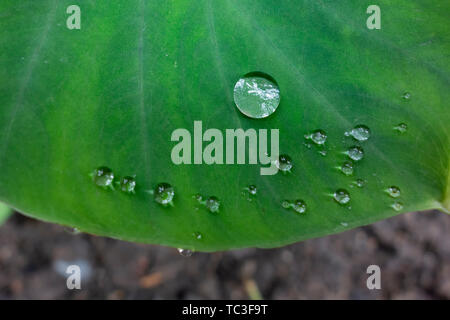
360,133
256,95
341,196
164,193
212,204
103,177
355,153
128,184
284,163
318,137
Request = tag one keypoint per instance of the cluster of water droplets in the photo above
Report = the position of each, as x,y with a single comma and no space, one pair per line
284,163
257,95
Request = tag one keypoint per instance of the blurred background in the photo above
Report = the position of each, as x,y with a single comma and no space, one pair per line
412,250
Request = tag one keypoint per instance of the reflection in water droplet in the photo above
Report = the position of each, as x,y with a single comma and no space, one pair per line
393,191
355,153
341,196
103,177
318,137
185,252
257,95
397,206
127,184
360,133
402,127
347,168
406,96
164,194
284,163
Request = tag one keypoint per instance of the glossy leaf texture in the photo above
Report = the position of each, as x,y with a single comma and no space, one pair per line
112,93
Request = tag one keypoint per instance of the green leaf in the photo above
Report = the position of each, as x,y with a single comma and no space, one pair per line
5,212
112,93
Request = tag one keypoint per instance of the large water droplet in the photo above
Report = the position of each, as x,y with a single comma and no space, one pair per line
103,177
185,252
128,184
318,137
257,95
347,168
164,194
393,191
355,153
341,196
284,163
402,127
360,133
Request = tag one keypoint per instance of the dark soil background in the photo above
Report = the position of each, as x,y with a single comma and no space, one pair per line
412,250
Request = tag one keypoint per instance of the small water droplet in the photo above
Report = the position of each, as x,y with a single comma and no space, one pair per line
164,193
286,204
323,153
318,137
252,189
347,168
402,127
298,206
360,183
103,177
397,206
128,184
393,191
341,196
344,224
308,145
213,204
406,96
355,153
360,133
257,95
198,235
284,163
185,252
